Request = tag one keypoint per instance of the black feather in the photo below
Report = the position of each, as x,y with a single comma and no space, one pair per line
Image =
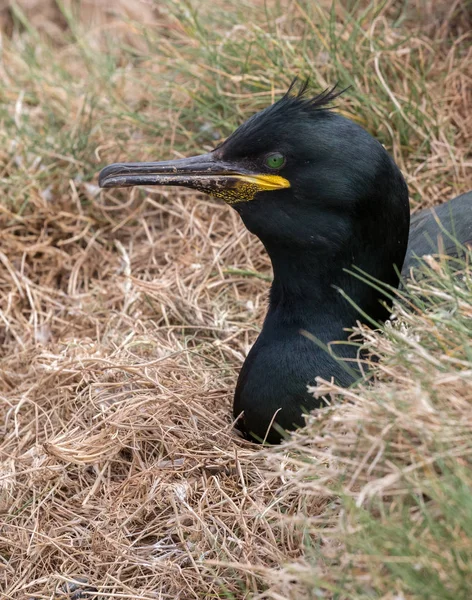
302,97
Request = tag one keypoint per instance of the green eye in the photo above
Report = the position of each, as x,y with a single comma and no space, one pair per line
275,160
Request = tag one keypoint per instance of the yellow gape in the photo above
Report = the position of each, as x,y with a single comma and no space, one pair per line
240,188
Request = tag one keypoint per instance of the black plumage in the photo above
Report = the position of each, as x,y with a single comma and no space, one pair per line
324,197
438,230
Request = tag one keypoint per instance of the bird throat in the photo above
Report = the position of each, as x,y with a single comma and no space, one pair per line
310,289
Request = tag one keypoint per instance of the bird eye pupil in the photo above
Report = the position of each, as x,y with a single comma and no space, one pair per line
275,161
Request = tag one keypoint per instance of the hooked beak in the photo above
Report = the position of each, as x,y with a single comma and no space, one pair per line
204,173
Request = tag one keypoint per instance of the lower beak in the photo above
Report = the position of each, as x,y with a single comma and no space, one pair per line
204,173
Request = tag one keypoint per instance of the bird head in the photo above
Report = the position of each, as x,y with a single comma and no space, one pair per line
303,178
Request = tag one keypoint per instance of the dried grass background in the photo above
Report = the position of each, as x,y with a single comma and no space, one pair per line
125,316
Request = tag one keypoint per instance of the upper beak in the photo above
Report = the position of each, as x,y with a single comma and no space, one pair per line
225,180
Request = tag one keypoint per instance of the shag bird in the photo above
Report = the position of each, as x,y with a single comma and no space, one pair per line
324,197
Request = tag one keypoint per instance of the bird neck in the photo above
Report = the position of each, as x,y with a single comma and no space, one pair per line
306,289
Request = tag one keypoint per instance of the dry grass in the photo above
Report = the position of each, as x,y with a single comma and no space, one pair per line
125,317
